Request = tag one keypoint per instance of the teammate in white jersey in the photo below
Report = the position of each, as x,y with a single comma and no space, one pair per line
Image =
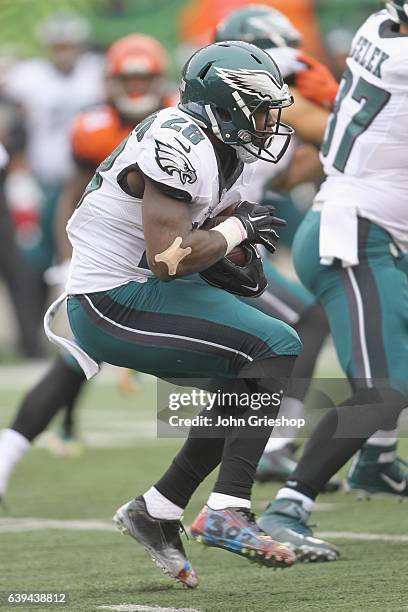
51,91
136,300
348,253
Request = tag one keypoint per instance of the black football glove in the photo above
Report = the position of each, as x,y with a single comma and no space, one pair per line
246,281
259,222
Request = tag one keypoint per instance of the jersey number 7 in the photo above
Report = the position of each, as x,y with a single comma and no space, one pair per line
375,99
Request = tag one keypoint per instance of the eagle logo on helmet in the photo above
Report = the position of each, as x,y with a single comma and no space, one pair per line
171,160
253,82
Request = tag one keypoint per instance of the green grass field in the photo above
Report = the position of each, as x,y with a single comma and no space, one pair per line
85,556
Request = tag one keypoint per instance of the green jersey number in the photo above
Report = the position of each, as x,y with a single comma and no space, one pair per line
144,126
191,131
375,99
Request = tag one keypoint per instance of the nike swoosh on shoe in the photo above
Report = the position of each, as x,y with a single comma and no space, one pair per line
399,487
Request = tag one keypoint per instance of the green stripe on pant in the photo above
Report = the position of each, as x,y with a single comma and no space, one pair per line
367,305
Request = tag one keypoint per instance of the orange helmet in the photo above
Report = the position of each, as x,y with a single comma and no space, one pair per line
135,67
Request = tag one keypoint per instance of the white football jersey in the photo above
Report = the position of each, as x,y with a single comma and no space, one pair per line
287,59
106,230
51,99
365,150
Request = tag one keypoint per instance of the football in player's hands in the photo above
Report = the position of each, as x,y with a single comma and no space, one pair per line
238,255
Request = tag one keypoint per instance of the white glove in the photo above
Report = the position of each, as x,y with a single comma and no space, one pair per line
58,275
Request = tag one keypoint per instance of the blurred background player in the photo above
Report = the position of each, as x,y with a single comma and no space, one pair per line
136,84
14,270
314,90
348,252
50,91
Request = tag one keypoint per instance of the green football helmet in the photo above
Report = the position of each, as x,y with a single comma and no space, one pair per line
260,25
398,10
231,88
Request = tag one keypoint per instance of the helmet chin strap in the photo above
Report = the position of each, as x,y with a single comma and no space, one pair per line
244,154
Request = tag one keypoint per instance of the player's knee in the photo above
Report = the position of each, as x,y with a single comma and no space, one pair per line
289,343
281,339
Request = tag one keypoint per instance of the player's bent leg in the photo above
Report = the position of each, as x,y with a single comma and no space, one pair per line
180,329
64,440
186,328
370,409
226,521
59,386
374,319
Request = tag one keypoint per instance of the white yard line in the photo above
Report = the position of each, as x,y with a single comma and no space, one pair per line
145,430
8,524
35,524
363,537
23,375
137,608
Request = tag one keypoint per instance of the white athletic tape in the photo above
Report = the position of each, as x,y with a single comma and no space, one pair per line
173,255
233,232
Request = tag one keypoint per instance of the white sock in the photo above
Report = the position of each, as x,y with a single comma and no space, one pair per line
286,493
160,507
291,408
13,447
219,501
275,444
383,438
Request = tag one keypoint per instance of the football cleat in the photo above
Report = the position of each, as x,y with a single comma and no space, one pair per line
279,465
235,530
161,538
377,469
285,520
274,466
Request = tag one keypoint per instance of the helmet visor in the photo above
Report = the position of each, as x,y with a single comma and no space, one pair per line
270,137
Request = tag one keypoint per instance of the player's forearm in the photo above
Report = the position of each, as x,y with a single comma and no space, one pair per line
194,252
308,119
64,211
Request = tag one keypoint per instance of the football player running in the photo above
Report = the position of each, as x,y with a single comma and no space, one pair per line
314,90
347,252
135,298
